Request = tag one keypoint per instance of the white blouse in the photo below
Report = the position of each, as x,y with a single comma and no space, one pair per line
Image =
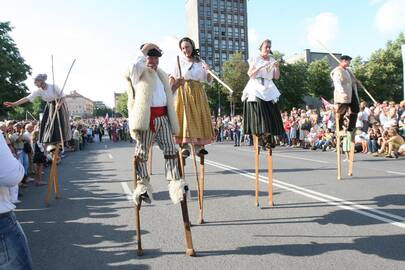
258,61
190,70
261,86
51,93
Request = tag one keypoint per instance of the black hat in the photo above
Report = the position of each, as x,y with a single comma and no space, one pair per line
345,57
154,52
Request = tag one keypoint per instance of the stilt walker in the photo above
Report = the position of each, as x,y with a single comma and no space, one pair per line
54,126
345,98
193,111
261,115
152,118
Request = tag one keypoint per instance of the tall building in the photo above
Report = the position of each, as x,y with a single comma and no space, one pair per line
308,57
78,105
116,98
219,29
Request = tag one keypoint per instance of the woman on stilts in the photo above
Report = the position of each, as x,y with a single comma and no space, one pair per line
197,117
50,133
261,114
192,108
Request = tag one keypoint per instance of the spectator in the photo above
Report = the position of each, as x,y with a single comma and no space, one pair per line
14,241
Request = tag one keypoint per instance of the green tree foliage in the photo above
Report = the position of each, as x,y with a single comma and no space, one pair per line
102,111
319,81
122,105
217,96
292,84
235,75
382,74
13,71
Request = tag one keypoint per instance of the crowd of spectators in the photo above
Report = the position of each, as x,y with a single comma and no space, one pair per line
380,129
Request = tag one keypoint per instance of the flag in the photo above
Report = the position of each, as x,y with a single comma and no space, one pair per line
106,118
325,102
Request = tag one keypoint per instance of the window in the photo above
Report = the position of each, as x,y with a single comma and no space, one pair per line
216,56
216,45
230,45
229,18
223,57
208,24
223,44
222,18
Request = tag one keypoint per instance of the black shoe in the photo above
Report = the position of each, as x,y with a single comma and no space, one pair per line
145,197
185,153
202,152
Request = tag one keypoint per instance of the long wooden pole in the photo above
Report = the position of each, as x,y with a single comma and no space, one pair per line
338,149
137,212
270,175
257,155
359,82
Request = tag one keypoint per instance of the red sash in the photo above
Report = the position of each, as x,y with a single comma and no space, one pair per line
156,112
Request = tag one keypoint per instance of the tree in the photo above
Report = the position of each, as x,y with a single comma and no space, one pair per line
13,71
235,75
217,96
102,111
319,81
292,83
122,105
382,74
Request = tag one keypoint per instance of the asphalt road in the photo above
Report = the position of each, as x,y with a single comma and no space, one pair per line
318,222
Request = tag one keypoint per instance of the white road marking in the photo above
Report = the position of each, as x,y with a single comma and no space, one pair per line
288,156
127,190
393,172
110,156
361,209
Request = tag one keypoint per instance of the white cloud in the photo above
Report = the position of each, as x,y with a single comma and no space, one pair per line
390,16
323,27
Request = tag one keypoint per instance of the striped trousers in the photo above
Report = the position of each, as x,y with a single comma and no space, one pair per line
164,138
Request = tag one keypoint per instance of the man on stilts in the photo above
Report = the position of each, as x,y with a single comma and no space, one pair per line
152,118
346,99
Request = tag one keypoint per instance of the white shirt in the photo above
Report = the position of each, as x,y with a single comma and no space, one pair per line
159,95
51,93
262,85
11,173
190,70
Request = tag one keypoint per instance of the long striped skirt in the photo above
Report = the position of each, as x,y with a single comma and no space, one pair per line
195,122
262,117
51,133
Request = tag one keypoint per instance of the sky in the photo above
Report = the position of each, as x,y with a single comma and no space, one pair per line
104,35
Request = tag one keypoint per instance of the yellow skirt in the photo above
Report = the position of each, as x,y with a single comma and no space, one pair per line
195,123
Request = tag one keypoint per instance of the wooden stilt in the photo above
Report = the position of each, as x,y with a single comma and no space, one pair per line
137,214
189,240
270,175
196,176
338,149
202,176
53,177
150,159
139,250
351,154
257,153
